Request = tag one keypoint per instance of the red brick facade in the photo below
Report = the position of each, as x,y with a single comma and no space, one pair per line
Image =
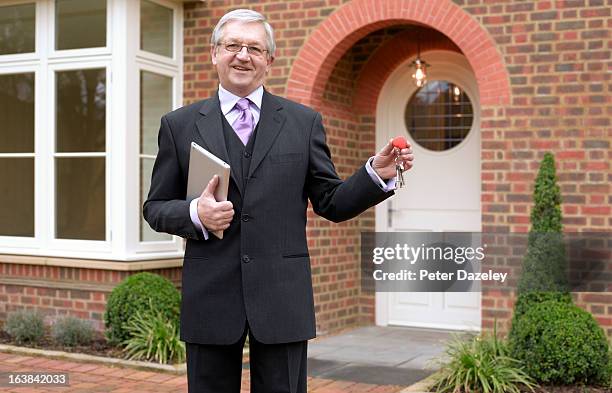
543,80
541,72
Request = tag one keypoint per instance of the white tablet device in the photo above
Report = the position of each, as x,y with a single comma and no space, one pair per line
203,165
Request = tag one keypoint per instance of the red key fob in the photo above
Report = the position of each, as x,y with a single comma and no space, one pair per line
400,142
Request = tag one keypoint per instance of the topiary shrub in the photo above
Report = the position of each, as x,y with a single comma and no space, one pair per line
543,276
559,343
546,213
25,326
544,265
142,292
71,331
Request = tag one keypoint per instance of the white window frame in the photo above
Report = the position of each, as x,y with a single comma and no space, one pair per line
159,245
123,61
157,64
177,40
76,244
83,52
23,242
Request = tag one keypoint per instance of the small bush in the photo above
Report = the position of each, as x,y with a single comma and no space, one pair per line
481,364
154,337
559,343
70,331
140,292
25,326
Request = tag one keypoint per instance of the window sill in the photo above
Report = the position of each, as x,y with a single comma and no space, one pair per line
132,263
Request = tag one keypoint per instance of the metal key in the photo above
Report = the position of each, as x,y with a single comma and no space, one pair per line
399,169
399,142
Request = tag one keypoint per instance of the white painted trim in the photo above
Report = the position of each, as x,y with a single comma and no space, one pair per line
436,326
84,154
446,65
119,131
91,255
17,155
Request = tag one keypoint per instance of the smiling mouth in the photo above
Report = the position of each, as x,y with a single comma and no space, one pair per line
238,68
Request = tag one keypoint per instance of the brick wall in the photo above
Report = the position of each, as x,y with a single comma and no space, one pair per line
556,53
541,68
56,290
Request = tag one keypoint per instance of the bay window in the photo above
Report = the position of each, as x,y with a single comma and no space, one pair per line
83,85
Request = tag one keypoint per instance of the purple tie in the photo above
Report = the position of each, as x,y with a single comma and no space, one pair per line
243,125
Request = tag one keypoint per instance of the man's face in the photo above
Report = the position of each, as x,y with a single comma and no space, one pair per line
241,72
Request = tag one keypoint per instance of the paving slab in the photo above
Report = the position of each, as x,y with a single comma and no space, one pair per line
380,345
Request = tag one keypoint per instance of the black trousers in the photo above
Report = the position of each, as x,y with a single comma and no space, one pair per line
275,368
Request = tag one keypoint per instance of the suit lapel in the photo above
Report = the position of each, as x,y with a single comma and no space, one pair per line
210,128
270,122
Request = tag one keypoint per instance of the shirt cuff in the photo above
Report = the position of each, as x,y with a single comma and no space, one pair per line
193,213
386,187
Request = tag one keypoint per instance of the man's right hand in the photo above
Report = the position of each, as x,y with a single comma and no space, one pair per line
214,215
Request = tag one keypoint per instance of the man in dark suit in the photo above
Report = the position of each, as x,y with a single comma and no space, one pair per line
257,279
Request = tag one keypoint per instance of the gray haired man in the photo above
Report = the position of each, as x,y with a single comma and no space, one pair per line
257,279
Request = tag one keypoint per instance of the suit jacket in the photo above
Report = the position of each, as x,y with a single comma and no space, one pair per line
260,270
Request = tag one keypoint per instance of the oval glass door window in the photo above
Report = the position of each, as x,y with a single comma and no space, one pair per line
439,115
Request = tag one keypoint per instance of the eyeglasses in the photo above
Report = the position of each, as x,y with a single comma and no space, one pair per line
234,47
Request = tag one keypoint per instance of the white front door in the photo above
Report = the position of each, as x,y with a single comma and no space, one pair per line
442,193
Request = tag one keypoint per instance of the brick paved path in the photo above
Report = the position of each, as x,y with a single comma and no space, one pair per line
91,378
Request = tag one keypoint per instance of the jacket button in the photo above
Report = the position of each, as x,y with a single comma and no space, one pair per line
247,154
246,217
246,259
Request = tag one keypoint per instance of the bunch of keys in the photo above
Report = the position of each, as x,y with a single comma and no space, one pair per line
399,143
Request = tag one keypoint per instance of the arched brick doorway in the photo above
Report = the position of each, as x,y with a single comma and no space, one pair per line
356,19
317,80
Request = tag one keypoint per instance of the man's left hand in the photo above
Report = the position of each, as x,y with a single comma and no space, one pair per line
384,161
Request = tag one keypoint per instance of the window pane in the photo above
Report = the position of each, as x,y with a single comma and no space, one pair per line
17,28
155,28
439,115
146,233
17,113
80,198
81,110
80,24
17,196
155,101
